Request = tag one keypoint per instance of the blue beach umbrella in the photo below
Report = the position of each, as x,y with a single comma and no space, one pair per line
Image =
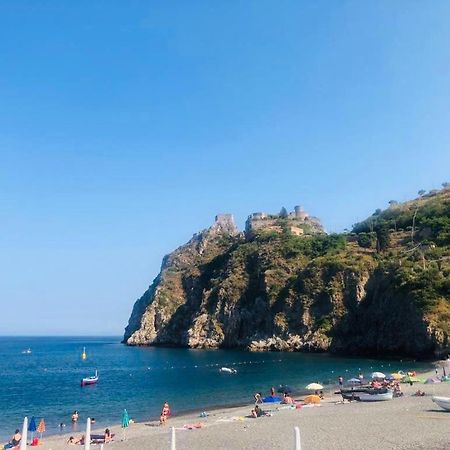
32,427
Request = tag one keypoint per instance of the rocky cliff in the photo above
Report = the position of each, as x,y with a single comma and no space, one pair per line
378,290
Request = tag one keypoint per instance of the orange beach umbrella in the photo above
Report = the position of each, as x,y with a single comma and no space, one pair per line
312,399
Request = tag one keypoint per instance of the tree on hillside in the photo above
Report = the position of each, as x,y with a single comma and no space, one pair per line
445,184
283,213
393,202
383,238
421,192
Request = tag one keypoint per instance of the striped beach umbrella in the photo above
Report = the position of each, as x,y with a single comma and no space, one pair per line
41,428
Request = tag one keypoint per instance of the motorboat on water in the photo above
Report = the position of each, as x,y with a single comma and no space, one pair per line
90,380
367,394
227,370
443,402
27,351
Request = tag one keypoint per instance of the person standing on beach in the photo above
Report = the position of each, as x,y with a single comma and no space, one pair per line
341,381
75,417
165,413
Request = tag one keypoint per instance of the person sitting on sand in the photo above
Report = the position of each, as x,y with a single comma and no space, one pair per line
419,393
321,395
287,399
257,412
258,397
107,436
15,440
165,413
73,441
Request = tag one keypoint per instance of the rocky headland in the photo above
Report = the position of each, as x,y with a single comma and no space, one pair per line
286,285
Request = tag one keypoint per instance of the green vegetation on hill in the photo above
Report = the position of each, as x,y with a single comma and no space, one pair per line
383,288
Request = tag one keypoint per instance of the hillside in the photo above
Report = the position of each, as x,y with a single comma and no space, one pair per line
384,288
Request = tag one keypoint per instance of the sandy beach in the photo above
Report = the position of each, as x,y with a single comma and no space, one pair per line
408,422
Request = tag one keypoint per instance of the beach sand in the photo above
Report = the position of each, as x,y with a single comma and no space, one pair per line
403,423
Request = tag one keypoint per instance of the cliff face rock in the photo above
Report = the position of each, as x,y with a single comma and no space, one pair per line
274,290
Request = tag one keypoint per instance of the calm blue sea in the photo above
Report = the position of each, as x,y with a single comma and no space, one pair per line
46,383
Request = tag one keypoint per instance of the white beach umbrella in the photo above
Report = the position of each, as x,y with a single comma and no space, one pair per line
23,440
314,386
378,375
87,436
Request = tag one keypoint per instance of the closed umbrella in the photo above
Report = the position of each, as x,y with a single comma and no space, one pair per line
23,441
41,428
87,437
32,427
314,386
125,421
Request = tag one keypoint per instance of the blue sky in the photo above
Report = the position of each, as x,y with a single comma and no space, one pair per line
126,126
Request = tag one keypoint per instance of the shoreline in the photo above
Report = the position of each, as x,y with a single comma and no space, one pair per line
234,419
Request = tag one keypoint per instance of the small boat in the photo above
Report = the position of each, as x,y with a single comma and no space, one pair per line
367,394
26,352
90,380
443,402
376,397
227,370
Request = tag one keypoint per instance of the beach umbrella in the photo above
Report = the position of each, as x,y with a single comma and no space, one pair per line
314,386
32,427
125,421
410,379
378,375
432,380
282,389
23,441
312,399
87,436
41,428
354,380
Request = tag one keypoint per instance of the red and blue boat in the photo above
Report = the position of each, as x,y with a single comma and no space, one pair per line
90,380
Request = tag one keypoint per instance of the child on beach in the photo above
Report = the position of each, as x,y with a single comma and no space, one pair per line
165,413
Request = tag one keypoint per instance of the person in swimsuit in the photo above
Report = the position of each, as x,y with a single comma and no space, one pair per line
107,436
165,413
75,417
15,440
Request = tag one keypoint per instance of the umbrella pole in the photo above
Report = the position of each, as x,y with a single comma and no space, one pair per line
298,445
23,441
173,445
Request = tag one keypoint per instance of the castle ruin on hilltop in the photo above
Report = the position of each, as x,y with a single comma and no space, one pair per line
298,222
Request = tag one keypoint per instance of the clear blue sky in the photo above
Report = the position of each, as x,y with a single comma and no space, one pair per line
126,126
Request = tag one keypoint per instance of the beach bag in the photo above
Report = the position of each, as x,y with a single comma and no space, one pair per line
35,442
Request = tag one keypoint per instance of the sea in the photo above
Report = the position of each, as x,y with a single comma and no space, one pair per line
46,382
